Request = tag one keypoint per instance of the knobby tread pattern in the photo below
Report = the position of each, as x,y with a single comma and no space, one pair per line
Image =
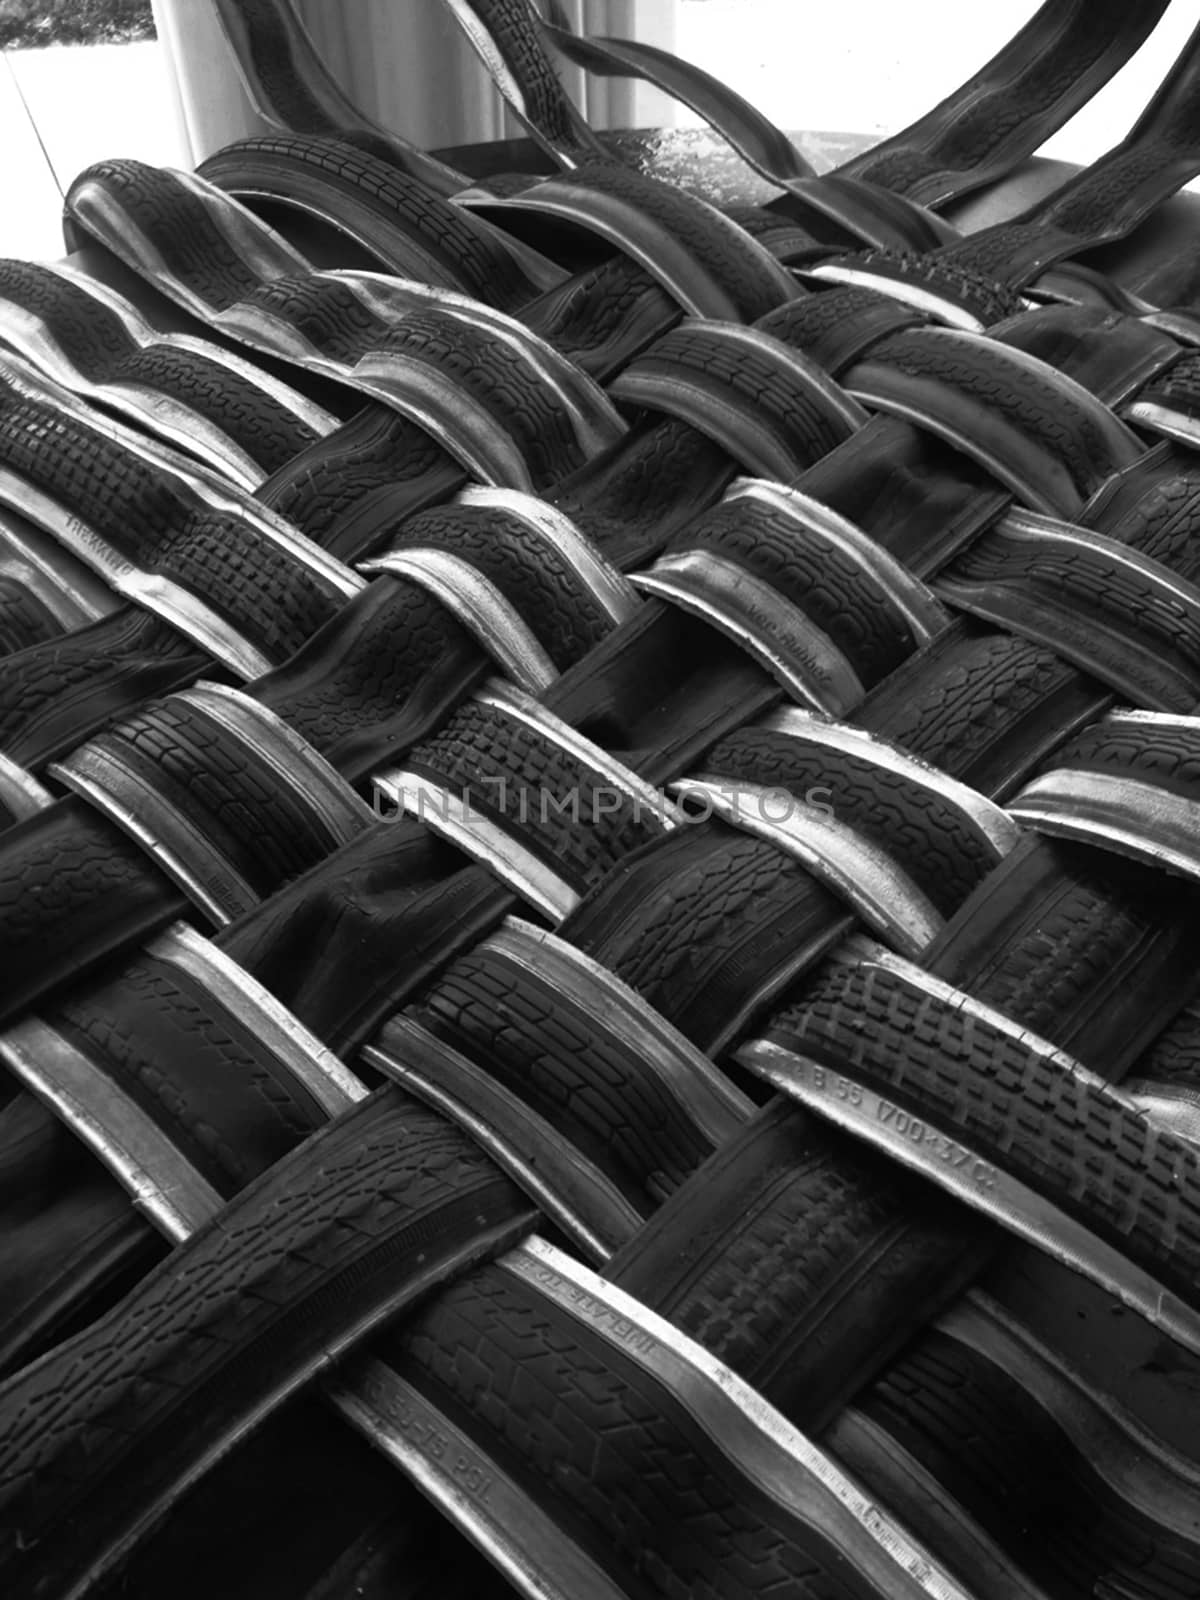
92,338
267,594
1132,1183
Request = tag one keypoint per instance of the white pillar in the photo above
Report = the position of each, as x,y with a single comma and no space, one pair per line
404,62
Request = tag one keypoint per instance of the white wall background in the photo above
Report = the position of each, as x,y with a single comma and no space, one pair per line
876,65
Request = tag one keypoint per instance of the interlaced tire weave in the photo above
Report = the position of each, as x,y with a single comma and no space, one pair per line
633,1024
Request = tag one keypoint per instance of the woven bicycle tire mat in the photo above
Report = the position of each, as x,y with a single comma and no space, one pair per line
600,852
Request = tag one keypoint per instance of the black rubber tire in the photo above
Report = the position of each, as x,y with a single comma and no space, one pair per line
601,319
176,225
1022,1477
73,1245
98,347
704,924
552,801
837,327
769,418
1085,948
598,1097
839,595
399,217
55,694
264,1522
232,798
930,837
747,273
326,945
74,890
801,1259
539,584
985,707
226,1103
24,620
384,673
629,500
1086,1151
529,1383
348,491
137,510
387,1191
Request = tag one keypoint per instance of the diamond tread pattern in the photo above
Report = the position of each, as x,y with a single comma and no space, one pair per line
526,1380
